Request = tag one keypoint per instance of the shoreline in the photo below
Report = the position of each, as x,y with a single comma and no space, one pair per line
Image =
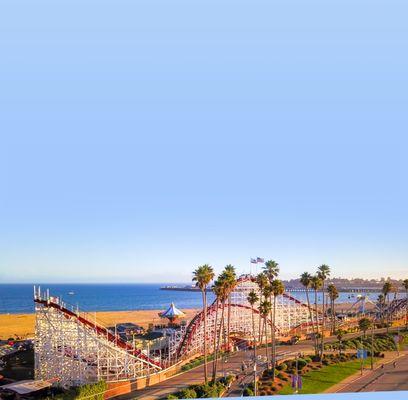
22,325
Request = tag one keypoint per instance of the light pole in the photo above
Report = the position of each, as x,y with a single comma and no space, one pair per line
362,353
255,383
296,380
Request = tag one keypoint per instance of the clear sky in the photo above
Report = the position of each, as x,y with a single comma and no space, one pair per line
142,138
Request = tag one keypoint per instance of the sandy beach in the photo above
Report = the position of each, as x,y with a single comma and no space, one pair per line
22,325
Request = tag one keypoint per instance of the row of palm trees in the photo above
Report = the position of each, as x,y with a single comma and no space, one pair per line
270,287
222,288
316,283
265,303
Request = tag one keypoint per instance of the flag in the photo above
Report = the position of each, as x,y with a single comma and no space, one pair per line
260,260
253,261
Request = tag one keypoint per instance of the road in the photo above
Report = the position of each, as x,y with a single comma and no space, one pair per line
389,378
233,366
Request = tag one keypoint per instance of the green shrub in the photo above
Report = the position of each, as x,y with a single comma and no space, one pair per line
188,394
171,397
92,391
282,376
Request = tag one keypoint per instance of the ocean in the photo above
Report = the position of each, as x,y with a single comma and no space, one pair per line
18,298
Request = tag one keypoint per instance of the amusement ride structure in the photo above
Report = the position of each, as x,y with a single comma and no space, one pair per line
74,348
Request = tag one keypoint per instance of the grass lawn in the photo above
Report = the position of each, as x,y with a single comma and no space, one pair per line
320,380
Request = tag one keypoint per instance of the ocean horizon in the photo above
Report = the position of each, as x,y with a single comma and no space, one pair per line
17,298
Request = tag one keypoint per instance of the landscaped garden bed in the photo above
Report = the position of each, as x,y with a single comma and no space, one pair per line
204,391
317,376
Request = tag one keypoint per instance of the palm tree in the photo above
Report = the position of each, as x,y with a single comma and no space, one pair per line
267,293
231,277
262,282
271,271
252,300
306,280
316,284
364,324
323,272
203,275
386,290
340,334
333,295
405,284
219,291
222,288
278,289
264,309
381,306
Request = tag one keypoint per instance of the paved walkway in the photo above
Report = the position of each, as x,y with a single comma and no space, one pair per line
234,364
379,379
195,376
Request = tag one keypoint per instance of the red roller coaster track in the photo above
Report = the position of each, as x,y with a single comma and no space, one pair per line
100,330
199,318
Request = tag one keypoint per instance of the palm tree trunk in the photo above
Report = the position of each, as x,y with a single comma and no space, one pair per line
260,320
310,310
215,339
254,346
317,326
272,327
274,340
265,331
312,319
406,309
219,340
229,322
205,336
323,322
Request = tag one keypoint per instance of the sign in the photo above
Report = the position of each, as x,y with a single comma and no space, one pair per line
296,382
362,353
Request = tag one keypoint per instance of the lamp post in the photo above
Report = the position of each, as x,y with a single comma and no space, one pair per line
255,383
296,377
362,354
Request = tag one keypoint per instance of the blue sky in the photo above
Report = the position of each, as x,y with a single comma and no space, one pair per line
142,138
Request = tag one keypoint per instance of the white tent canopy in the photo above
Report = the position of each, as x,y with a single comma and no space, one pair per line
172,312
